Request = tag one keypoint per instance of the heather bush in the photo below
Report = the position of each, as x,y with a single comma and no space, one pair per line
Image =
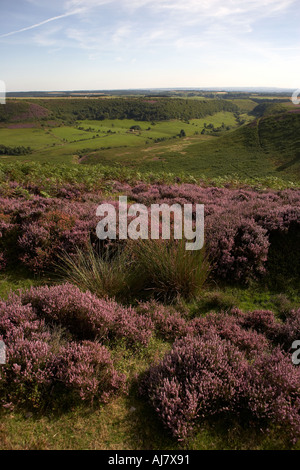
290,329
206,375
262,321
87,371
199,377
35,377
168,323
272,392
44,364
26,379
54,231
229,363
279,333
238,246
86,316
240,225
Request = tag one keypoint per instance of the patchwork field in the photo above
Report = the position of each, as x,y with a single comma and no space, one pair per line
64,143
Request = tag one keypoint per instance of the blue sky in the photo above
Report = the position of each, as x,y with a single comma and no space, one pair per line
115,44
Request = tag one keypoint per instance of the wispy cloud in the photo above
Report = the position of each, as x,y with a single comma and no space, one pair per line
37,25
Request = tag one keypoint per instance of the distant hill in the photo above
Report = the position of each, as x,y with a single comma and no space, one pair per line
22,111
140,109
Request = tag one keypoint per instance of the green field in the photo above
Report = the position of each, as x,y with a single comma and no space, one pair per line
62,143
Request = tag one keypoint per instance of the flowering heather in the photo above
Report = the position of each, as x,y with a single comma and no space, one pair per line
279,333
241,225
36,230
227,327
206,375
272,391
86,316
168,323
87,370
238,222
198,378
43,364
229,363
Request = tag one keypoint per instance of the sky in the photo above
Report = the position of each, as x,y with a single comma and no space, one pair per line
122,44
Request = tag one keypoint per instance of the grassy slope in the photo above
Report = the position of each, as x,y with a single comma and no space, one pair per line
266,147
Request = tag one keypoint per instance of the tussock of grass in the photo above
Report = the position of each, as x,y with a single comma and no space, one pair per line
160,268
103,274
168,270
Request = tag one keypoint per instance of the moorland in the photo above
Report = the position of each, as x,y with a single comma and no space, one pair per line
121,345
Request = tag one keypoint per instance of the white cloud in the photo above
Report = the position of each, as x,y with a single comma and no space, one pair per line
174,17
121,33
208,8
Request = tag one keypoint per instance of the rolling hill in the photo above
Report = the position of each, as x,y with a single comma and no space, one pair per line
268,146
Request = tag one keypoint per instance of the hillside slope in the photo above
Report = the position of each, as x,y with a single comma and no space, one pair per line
268,146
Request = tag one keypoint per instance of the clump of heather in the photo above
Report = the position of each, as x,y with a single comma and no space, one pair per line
168,323
245,230
272,391
86,316
199,377
279,333
45,363
26,378
290,330
228,328
206,376
236,363
239,246
87,371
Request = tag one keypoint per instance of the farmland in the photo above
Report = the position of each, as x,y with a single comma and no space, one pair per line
104,329
251,140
